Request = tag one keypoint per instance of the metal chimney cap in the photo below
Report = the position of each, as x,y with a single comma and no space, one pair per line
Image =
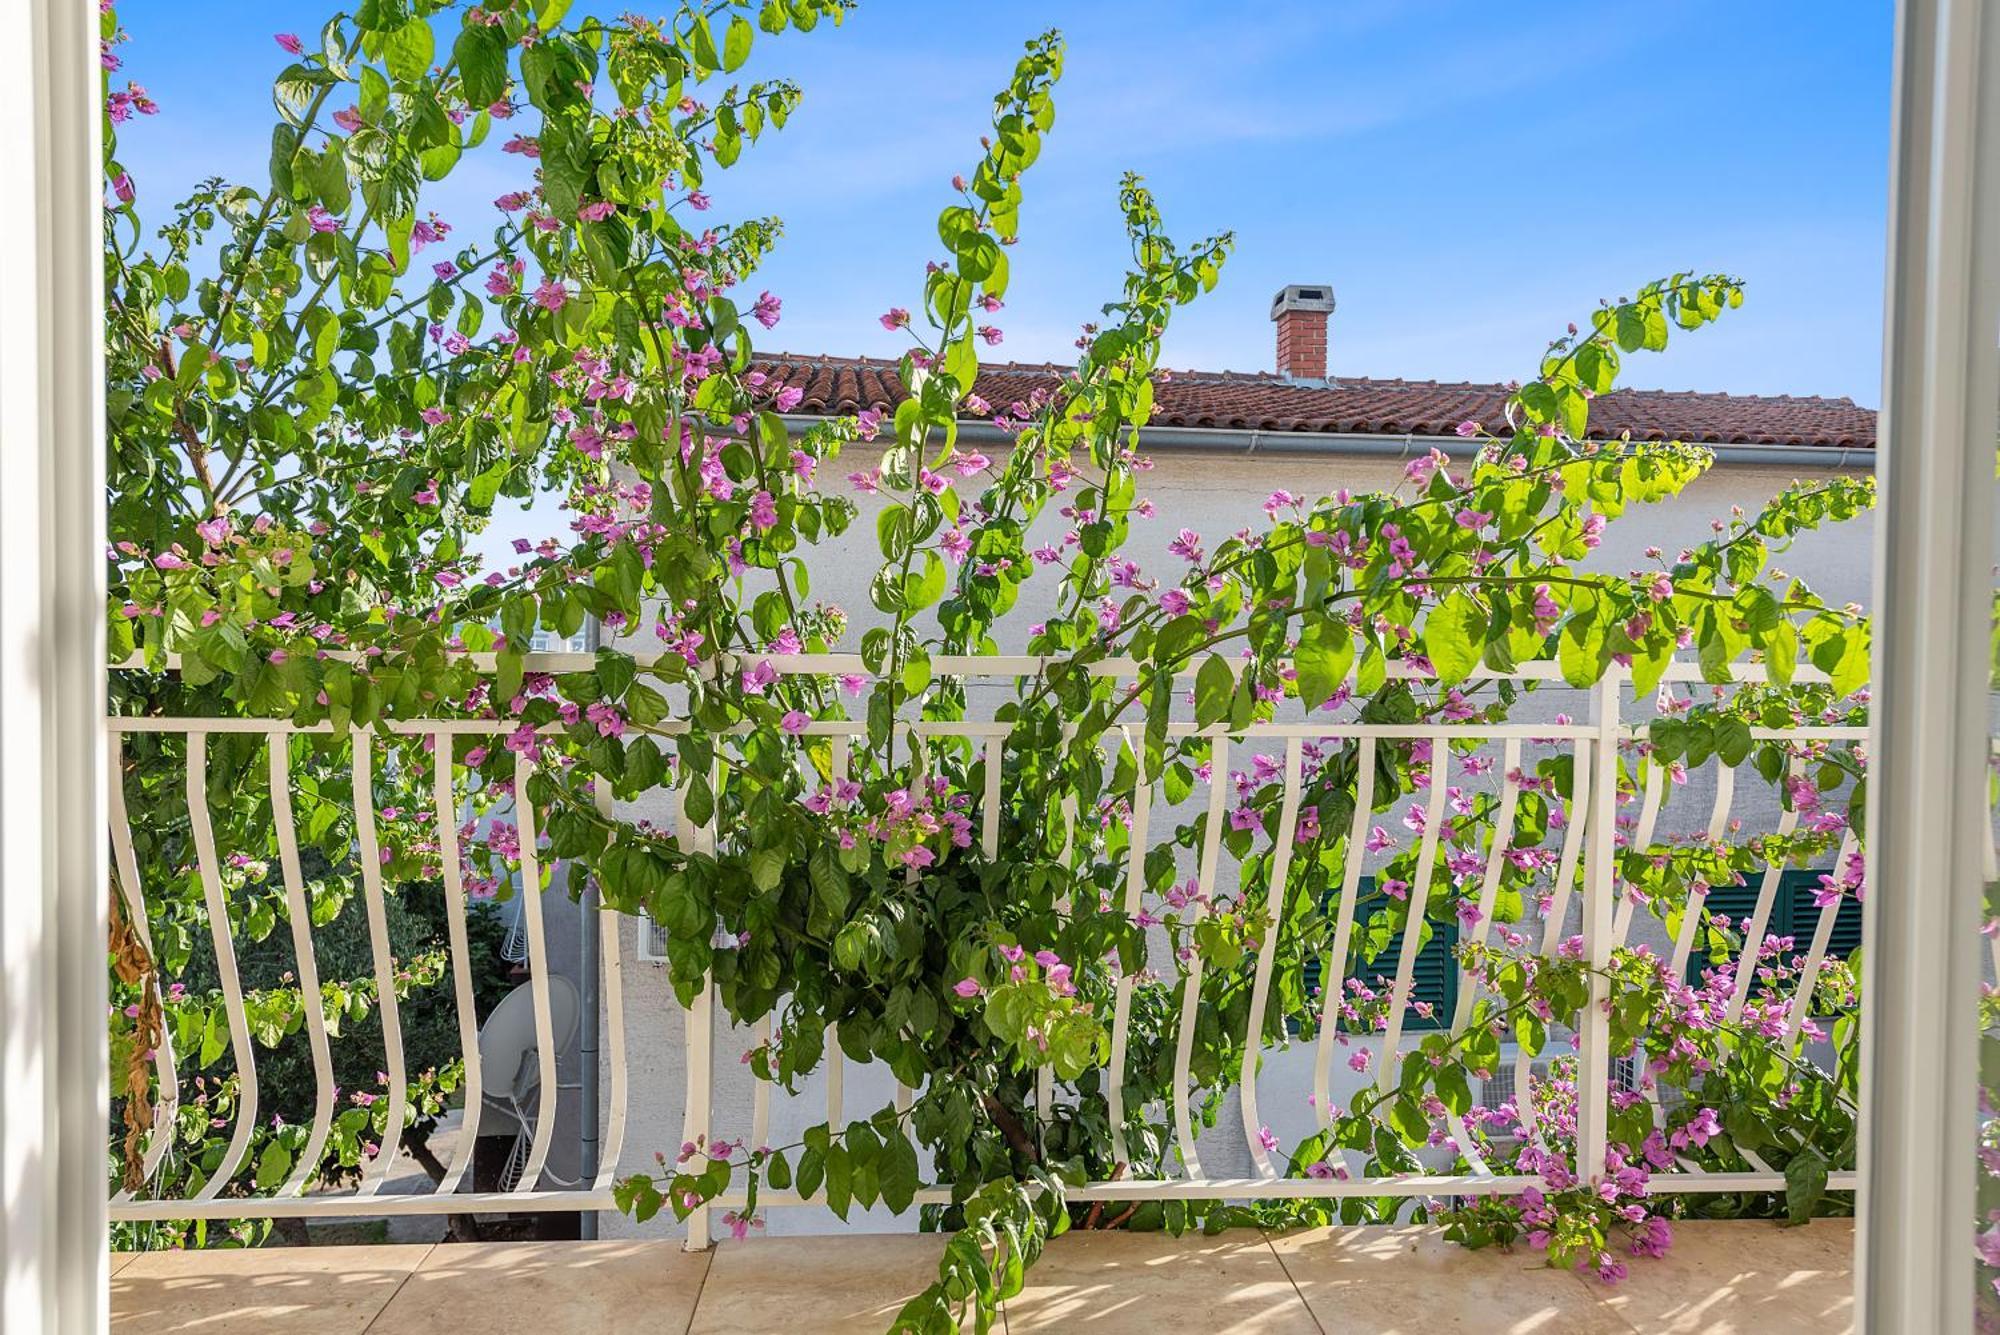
1303,297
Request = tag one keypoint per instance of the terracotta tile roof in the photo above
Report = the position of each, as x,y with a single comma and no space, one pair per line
1260,401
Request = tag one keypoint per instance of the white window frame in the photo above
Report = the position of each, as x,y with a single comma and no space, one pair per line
1928,824
53,878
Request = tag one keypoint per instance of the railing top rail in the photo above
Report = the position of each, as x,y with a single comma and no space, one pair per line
1028,665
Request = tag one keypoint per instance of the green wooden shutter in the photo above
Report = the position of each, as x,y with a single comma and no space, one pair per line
1800,887
1793,914
1433,978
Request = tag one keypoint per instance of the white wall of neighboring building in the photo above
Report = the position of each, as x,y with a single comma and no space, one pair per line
1213,494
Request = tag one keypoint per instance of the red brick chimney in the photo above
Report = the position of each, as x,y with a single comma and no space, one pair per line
1300,312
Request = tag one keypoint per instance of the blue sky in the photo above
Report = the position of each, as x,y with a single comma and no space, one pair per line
1468,177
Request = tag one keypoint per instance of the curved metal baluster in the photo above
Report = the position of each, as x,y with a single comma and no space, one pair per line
1045,1074
1121,1014
1822,936
385,963
1333,976
1406,962
312,1001
700,1021
1211,854
225,967
1718,822
1489,884
611,948
836,1060
1760,917
1267,954
1524,1096
989,811
1574,819
445,808
1642,839
547,1095
167,1103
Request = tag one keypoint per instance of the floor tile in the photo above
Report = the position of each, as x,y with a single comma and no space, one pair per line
119,1260
259,1291
1386,1280
550,1288
827,1286
1743,1276
1115,1282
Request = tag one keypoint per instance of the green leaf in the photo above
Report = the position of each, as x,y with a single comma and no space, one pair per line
1324,656
1805,1184
482,64
215,1038
272,1166
736,43
1781,652
1214,687
812,1171
700,800
1454,632
767,868
408,51
1732,741
897,1171
701,44
1582,650
839,1180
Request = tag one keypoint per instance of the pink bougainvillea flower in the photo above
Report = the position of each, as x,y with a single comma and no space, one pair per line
966,987
551,295
763,511
596,211
348,119
321,220
794,721
895,318
290,41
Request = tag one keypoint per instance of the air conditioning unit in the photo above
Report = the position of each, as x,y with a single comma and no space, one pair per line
1499,1087
652,943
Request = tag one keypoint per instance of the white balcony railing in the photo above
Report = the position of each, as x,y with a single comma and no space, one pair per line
1586,843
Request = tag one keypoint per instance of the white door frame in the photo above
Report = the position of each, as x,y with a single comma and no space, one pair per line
1928,819
54,1090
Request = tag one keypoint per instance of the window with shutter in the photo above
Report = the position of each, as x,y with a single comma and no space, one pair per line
1793,914
1433,977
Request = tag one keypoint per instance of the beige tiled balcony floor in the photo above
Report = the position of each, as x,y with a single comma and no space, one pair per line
1720,1277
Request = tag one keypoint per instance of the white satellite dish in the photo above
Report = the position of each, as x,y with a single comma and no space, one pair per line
511,1061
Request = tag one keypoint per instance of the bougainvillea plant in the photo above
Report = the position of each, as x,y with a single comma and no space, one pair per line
320,391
